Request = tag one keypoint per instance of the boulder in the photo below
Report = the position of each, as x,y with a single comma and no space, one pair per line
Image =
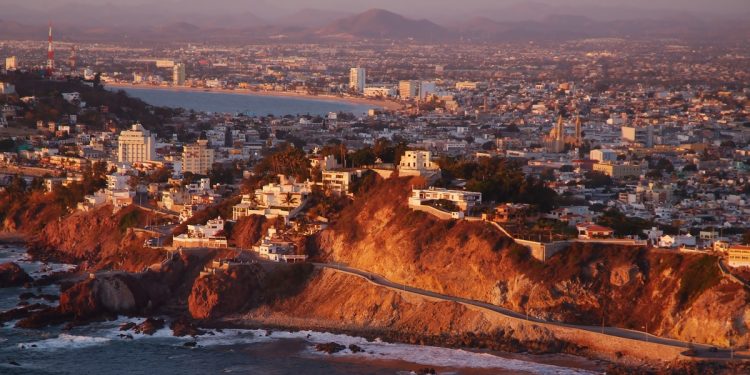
149,326
184,327
330,348
12,274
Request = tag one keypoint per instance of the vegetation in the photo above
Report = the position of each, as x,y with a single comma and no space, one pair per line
129,220
499,180
699,276
623,225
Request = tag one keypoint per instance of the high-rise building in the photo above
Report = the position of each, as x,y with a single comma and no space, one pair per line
408,89
197,158
357,79
426,88
178,74
642,134
136,145
11,63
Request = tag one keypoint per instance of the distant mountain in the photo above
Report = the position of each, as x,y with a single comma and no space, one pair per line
379,23
310,18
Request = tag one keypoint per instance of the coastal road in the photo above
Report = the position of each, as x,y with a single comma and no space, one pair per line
703,351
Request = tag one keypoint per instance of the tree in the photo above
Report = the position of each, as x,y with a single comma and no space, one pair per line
596,179
362,157
289,200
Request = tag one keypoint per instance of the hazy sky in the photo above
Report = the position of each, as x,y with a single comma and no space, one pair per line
719,6
437,10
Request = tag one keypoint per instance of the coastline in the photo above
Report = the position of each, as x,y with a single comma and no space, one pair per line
383,104
571,359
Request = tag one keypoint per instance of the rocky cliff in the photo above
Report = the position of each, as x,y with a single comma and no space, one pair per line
666,293
243,286
97,239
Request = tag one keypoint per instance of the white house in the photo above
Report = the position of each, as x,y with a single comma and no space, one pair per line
209,235
418,163
677,241
464,200
277,249
283,199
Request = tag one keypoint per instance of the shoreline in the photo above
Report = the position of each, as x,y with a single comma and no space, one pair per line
382,104
572,360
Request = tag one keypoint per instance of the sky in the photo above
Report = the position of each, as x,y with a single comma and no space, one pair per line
415,6
441,11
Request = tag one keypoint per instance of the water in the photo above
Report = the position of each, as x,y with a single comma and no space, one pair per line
253,105
98,349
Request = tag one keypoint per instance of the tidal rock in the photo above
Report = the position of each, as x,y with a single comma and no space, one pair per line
149,326
330,348
184,327
355,348
12,274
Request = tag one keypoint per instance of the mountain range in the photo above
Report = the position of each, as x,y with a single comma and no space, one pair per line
522,21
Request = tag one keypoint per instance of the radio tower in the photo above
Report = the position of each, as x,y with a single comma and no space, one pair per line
50,54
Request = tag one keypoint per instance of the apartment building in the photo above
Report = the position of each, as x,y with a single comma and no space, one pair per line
136,145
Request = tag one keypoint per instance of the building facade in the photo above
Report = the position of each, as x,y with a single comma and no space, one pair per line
357,79
136,145
197,158
178,74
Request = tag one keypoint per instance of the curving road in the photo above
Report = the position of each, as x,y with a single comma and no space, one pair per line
703,351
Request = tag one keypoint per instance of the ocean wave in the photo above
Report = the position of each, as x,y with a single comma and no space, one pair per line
426,355
64,341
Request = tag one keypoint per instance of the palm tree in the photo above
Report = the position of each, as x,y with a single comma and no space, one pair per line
289,199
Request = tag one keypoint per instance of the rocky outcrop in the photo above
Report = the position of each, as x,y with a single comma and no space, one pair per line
185,327
115,294
225,291
97,240
12,274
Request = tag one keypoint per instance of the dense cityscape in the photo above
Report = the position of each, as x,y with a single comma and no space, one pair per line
612,172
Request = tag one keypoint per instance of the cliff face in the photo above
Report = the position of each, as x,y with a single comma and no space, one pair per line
244,286
224,292
666,293
97,239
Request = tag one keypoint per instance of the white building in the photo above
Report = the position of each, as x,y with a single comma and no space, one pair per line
408,89
274,248
284,199
677,241
72,97
11,63
426,88
357,78
178,74
379,92
464,200
603,155
197,158
209,235
338,181
136,145
418,163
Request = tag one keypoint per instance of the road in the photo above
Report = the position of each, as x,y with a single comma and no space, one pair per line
702,350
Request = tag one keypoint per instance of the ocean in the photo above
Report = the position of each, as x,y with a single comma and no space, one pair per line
249,104
101,348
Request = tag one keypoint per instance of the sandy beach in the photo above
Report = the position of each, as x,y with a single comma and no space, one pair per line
384,104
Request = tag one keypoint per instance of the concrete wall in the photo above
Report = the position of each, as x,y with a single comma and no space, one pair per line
433,211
